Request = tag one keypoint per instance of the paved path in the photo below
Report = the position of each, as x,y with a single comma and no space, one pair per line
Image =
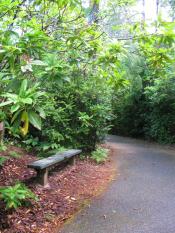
140,200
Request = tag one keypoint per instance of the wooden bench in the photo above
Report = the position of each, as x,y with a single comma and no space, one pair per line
44,165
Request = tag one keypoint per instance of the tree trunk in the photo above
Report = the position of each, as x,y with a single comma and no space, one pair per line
157,7
157,13
93,16
1,132
143,12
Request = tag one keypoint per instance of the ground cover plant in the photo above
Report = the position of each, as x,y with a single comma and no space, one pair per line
13,196
100,155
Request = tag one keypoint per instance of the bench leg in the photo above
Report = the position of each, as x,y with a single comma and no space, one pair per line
72,161
42,177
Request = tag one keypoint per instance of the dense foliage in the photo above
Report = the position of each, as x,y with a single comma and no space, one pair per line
55,81
145,108
64,81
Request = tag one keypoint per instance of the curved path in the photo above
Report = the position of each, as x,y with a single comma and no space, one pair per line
140,200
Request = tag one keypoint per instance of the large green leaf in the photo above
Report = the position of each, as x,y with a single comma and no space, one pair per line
6,103
38,63
11,96
35,119
14,108
15,116
27,100
41,112
23,87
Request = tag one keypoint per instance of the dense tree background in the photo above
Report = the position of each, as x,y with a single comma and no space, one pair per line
145,107
72,70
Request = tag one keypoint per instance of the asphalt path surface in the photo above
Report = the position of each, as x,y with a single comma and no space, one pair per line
141,199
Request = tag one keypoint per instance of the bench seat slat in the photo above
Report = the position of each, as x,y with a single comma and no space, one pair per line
56,159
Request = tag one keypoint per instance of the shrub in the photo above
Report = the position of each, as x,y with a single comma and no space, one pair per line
2,147
55,82
14,154
99,155
14,196
78,116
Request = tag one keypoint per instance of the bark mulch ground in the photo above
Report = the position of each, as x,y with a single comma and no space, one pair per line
69,188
